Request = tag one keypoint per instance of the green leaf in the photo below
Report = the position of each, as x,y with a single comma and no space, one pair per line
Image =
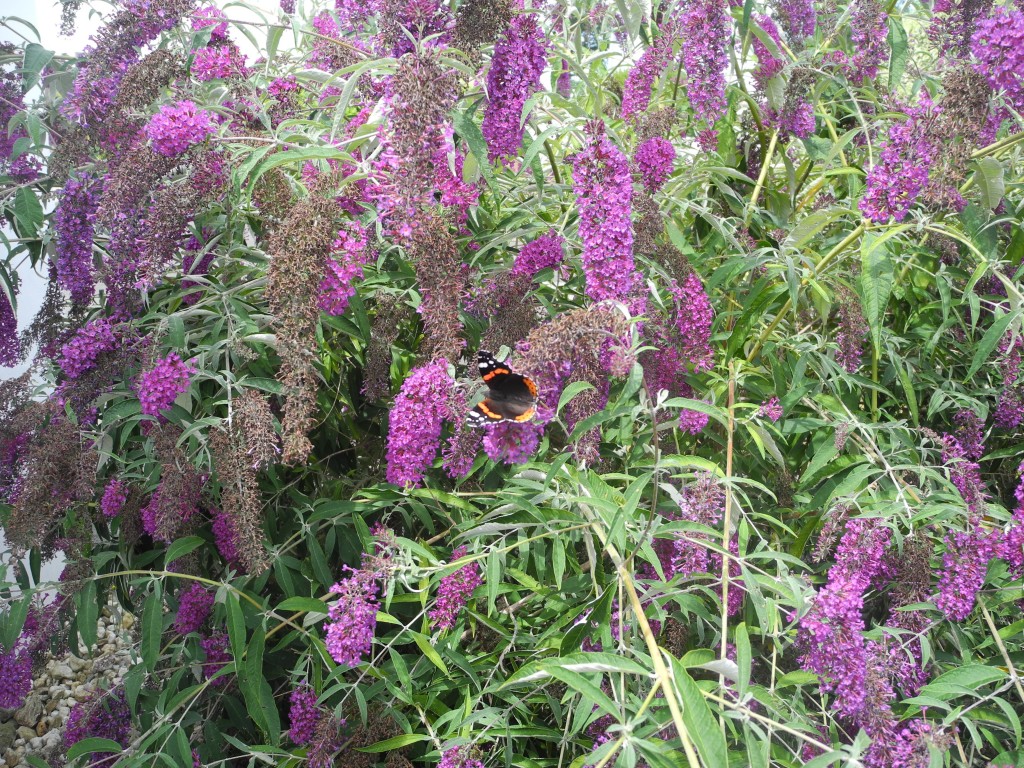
176,333
876,279
308,604
28,211
707,737
13,620
572,391
296,157
989,341
36,58
429,651
88,613
93,744
991,181
899,51
470,132
743,658
395,742
152,627
236,626
182,547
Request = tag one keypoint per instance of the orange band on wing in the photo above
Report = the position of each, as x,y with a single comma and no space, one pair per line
482,407
527,415
530,386
496,372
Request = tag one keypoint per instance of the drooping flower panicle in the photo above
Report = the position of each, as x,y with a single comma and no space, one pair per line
604,194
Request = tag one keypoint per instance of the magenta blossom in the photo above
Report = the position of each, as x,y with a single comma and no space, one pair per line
176,127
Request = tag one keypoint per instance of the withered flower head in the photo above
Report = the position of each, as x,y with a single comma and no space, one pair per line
240,499
442,278
300,247
479,22
386,325
255,424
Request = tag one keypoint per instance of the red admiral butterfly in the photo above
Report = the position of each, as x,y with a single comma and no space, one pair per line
510,396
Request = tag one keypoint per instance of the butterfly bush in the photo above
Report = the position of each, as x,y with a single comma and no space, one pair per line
604,193
454,591
516,66
15,677
414,432
997,44
353,618
10,352
160,386
636,93
114,497
176,127
704,33
673,222
73,225
901,172
655,159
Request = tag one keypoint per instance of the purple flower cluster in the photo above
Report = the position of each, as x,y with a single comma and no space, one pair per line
414,432
81,352
703,502
636,93
705,36
192,263
172,503
303,714
15,677
693,320
998,45
796,118
869,25
114,497
112,50
964,473
10,348
512,443
969,433
100,715
353,618
771,409
604,195
454,592
692,421
768,64
194,605
901,173
73,226
211,16
964,566
798,18
218,62
830,634
459,757
655,159
225,536
217,648
349,252
514,76
544,252
158,387
1009,412
176,127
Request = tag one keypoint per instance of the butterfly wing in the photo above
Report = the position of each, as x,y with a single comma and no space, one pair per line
510,396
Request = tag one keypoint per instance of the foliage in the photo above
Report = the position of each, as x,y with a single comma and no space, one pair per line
761,262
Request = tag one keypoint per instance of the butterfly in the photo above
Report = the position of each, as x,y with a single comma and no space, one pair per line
510,396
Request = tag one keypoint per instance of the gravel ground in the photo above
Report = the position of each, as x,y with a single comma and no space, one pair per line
38,727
